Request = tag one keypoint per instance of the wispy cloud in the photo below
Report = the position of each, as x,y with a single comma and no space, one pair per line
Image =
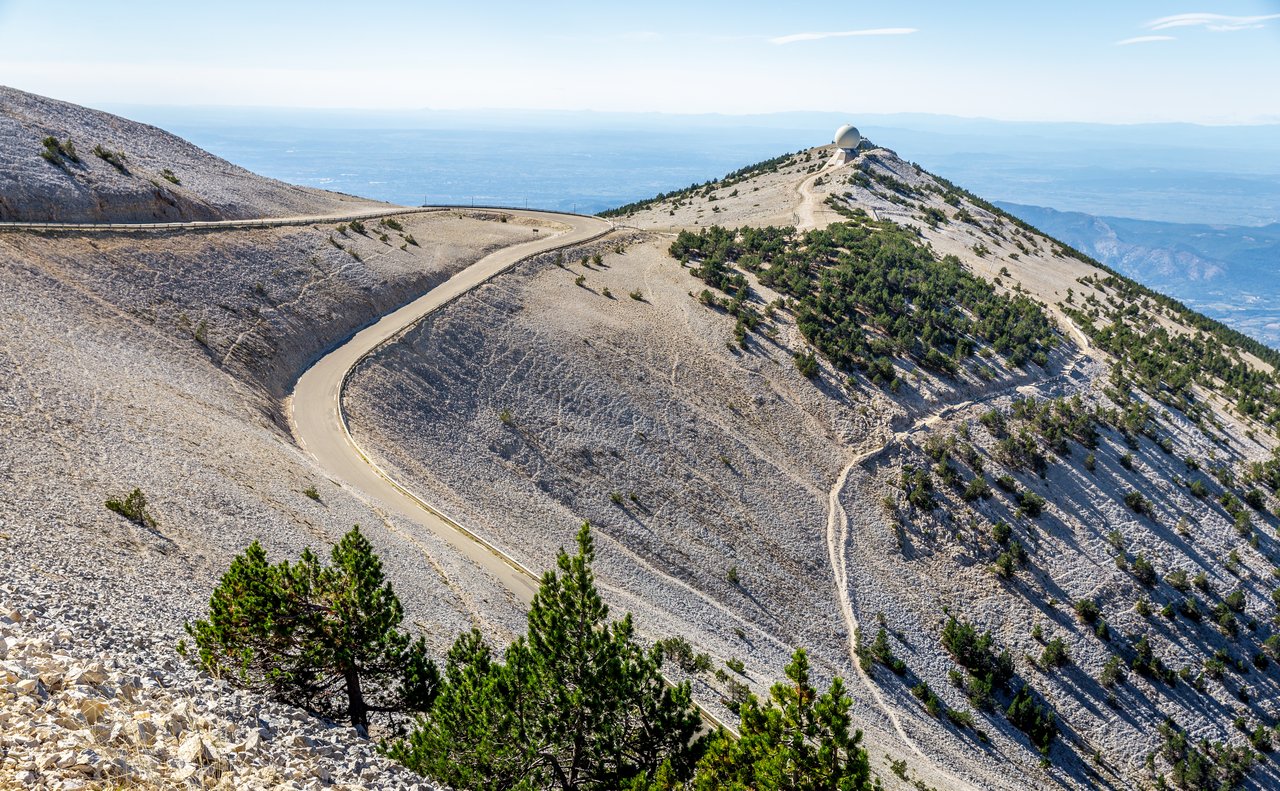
1143,40
1219,23
879,31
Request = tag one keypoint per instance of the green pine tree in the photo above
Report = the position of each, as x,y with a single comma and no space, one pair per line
575,704
797,741
325,638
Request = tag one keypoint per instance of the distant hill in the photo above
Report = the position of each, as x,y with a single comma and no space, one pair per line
1226,271
63,162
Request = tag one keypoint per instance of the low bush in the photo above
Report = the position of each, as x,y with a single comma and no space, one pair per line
134,508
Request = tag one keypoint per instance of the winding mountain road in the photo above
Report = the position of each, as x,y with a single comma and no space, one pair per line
372,213
320,426
806,211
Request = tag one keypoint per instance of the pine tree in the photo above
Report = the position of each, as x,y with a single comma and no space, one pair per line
325,638
575,704
798,740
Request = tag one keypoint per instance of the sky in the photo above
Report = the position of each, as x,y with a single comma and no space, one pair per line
1209,61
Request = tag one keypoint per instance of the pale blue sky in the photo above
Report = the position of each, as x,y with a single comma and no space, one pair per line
1092,60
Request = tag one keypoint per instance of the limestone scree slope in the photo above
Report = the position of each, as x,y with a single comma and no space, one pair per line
766,461
1081,499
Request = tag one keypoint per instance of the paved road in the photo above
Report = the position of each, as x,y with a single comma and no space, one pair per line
315,407
371,213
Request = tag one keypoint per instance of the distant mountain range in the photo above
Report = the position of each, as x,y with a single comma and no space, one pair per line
1226,271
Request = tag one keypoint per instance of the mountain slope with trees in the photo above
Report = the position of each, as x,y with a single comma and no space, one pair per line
924,412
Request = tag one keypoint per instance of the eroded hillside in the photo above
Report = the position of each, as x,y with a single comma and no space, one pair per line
156,360
60,162
1024,506
1038,495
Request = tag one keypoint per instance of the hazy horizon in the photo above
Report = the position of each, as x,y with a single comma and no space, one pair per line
1091,61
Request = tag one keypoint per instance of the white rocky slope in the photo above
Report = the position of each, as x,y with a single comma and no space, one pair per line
692,456
143,174
86,703
157,360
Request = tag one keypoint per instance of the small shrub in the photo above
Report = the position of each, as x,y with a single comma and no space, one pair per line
807,364
113,158
1256,500
926,696
1112,672
134,508
1272,647
1055,654
1001,532
55,151
1143,571
732,575
1190,609
637,296
1034,718
1031,504
312,492
680,651
1136,502
976,489
883,653
169,176
964,719
1087,610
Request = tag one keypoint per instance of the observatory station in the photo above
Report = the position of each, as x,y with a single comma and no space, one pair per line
847,139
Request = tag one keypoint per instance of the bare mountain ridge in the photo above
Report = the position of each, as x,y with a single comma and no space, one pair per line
661,392
147,362
116,170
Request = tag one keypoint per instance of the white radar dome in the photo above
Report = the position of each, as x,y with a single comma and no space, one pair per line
847,137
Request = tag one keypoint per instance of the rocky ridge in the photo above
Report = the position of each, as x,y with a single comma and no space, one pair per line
745,506
60,162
